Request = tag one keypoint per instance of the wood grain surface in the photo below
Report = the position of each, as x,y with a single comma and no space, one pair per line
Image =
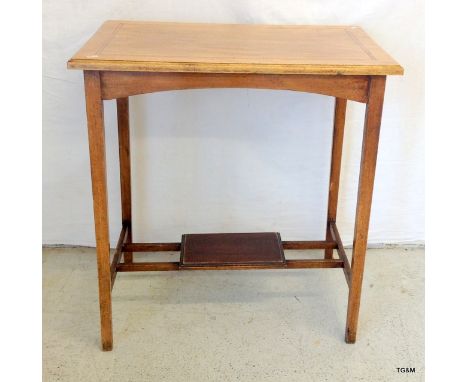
97,155
123,84
370,144
233,48
220,249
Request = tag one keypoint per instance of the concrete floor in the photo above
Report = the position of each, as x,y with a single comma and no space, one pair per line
268,325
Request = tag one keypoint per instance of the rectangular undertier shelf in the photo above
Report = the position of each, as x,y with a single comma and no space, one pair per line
213,250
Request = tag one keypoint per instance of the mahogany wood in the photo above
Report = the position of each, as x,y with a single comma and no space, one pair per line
97,155
233,48
175,266
118,252
370,143
151,247
125,172
127,58
124,84
221,249
168,247
314,263
341,252
335,166
309,244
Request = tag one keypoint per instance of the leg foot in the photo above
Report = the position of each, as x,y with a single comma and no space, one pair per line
107,346
350,337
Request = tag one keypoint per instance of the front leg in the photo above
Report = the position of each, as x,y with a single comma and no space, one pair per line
97,155
370,144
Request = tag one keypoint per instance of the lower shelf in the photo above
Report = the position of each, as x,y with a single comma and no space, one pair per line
229,251
221,249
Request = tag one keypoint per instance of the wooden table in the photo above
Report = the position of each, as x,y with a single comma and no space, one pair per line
126,58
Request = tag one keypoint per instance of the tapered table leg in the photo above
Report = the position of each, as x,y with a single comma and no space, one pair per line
125,172
364,200
97,154
335,167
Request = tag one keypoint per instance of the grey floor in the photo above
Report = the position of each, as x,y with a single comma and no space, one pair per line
268,325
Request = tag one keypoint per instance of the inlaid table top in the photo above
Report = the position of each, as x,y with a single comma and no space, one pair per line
233,48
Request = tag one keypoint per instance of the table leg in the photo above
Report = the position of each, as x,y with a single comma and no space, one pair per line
366,184
125,172
335,167
97,154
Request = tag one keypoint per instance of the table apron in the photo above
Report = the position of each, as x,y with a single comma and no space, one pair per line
116,84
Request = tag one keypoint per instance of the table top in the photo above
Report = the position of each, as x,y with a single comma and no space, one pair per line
233,48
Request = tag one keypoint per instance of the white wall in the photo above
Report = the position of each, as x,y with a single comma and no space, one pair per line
233,160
